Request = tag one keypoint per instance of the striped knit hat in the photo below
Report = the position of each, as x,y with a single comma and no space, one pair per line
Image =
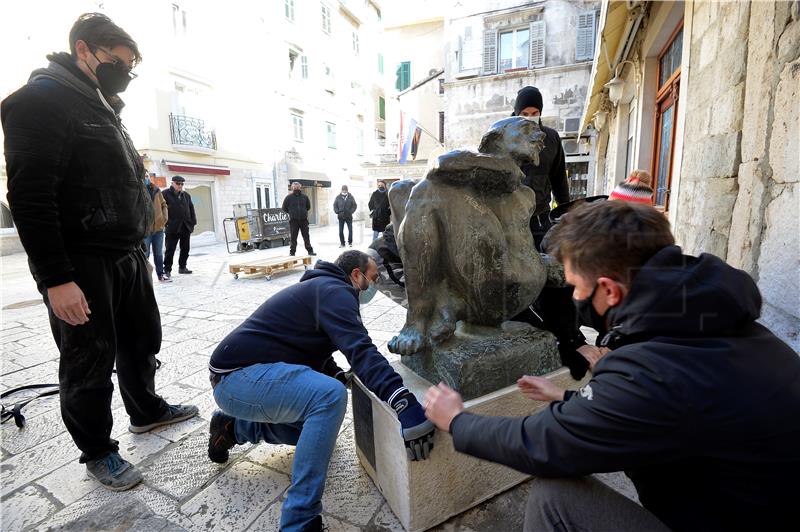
636,188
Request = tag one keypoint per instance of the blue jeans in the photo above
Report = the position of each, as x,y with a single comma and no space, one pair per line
375,235
294,405
156,240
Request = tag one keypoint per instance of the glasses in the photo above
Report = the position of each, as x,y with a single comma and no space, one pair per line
117,62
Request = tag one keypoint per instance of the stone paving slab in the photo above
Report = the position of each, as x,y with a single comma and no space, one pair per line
236,498
44,487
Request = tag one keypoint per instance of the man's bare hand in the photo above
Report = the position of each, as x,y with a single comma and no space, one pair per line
592,354
442,404
539,389
68,303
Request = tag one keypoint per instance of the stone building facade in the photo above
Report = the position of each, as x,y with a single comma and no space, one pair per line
730,182
494,48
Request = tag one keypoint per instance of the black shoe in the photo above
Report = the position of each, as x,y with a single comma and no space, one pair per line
316,525
311,253
291,253
184,270
221,439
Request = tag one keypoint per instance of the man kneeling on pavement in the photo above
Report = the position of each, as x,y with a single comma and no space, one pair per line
275,379
697,402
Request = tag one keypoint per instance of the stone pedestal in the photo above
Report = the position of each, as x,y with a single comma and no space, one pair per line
424,494
479,360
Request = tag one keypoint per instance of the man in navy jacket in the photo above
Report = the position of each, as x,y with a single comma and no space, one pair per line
697,402
275,379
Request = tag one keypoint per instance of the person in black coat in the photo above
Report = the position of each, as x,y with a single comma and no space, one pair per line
344,206
297,205
78,199
379,209
181,220
696,401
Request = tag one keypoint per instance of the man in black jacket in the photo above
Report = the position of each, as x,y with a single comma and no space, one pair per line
181,220
78,199
344,206
379,210
297,205
550,176
697,402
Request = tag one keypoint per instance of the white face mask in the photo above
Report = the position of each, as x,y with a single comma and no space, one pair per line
365,296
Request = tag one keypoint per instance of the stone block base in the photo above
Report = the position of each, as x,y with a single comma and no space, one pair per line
424,494
479,360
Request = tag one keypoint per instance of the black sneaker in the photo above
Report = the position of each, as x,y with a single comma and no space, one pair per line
291,253
316,525
221,437
312,254
184,270
174,414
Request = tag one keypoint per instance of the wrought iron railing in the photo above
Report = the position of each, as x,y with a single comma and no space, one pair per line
188,131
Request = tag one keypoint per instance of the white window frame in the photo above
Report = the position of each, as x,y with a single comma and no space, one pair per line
297,127
330,129
288,9
514,47
304,66
326,18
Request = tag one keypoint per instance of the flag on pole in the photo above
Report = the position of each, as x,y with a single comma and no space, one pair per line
412,127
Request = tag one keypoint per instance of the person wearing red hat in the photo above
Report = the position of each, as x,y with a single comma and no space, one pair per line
636,188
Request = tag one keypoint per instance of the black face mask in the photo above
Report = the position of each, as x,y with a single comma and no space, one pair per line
112,78
587,315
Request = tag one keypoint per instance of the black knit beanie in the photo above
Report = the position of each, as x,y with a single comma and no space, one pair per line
527,97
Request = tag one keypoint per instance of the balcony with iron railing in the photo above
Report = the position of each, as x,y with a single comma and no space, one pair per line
191,134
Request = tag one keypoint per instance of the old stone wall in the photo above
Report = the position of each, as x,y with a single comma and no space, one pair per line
739,195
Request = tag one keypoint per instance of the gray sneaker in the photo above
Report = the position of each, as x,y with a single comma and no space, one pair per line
113,472
174,414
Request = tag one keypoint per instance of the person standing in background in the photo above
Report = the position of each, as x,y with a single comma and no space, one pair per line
180,225
297,205
156,237
344,206
379,210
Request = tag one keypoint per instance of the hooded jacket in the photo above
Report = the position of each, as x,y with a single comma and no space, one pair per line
697,403
304,324
74,177
550,176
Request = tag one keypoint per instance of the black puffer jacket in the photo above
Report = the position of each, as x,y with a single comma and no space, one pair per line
297,205
75,180
550,177
380,210
697,403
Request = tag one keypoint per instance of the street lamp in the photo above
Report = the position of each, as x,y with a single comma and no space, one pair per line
617,84
600,120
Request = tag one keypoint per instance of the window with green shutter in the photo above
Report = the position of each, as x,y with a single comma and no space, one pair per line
403,76
381,108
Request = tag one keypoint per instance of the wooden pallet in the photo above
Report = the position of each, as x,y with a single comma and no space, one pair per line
267,267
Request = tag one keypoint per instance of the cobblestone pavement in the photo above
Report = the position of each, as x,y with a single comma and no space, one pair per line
43,486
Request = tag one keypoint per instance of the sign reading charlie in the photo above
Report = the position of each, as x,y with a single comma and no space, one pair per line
274,222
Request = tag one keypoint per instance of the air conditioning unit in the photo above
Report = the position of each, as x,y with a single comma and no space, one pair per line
572,125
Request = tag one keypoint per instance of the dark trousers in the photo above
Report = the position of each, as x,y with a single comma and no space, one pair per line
349,231
124,327
172,242
540,225
302,227
579,504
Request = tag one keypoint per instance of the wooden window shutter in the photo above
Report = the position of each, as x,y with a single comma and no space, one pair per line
584,44
537,44
490,52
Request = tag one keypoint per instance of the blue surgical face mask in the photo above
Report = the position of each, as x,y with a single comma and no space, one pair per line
365,296
147,180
